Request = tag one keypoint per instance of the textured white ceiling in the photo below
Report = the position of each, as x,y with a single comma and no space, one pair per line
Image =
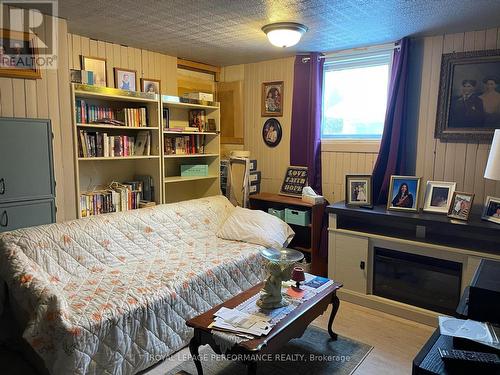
226,32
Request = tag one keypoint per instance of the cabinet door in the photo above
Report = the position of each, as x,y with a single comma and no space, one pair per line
26,214
26,171
351,262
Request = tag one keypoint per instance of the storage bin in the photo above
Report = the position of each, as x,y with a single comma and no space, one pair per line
194,170
277,213
297,217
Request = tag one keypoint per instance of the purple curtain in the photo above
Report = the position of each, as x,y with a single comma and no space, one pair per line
305,137
391,158
305,141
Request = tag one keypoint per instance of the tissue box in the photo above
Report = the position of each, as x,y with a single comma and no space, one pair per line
318,199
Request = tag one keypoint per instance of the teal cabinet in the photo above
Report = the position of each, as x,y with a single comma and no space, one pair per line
27,186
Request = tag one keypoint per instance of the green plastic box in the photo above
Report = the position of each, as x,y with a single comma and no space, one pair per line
277,213
297,217
190,170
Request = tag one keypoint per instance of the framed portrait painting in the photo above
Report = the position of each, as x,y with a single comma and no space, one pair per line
403,193
98,67
438,196
125,79
461,205
272,132
469,96
18,55
492,210
151,86
272,99
358,190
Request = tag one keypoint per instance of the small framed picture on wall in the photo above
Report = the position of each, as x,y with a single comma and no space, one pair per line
125,79
358,190
272,99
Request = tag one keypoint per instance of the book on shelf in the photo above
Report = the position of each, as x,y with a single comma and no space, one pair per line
185,145
116,197
87,113
101,144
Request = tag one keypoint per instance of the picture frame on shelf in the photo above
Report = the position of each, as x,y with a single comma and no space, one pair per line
125,79
358,190
438,196
272,99
97,66
18,55
295,180
461,205
469,89
404,192
197,119
152,86
491,211
211,125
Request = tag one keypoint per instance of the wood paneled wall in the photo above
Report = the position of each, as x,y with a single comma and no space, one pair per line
48,98
271,161
335,165
148,64
436,160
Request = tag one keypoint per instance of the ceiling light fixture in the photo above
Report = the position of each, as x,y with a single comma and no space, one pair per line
284,34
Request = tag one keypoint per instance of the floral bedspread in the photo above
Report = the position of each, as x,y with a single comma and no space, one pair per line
110,294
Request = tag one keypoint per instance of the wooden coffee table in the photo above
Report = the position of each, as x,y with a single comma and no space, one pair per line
292,326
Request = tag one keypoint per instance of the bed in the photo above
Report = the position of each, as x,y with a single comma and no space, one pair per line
110,294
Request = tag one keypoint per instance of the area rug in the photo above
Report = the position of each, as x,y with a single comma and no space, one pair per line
313,353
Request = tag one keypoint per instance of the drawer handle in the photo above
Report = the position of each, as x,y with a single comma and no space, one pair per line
5,219
2,186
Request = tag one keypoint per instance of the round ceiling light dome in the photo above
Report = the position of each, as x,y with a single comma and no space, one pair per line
284,34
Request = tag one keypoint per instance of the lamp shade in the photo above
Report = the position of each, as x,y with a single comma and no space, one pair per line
298,274
493,166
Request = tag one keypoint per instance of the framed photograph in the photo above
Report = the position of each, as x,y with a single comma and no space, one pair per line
18,55
98,67
272,99
358,190
438,196
150,85
461,204
492,210
295,180
211,126
125,79
469,96
272,132
403,193
197,119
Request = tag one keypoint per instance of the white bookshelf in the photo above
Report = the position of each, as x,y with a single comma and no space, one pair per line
177,187
94,173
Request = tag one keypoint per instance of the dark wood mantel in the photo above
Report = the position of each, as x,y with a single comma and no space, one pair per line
475,234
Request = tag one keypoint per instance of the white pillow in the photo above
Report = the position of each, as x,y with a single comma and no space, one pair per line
256,227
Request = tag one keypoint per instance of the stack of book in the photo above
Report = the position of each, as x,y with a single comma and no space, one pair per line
90,113
117,197
184,145
99,144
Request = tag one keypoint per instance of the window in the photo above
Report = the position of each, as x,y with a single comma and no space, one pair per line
355,95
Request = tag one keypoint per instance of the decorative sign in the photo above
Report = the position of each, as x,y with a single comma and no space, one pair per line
295,180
